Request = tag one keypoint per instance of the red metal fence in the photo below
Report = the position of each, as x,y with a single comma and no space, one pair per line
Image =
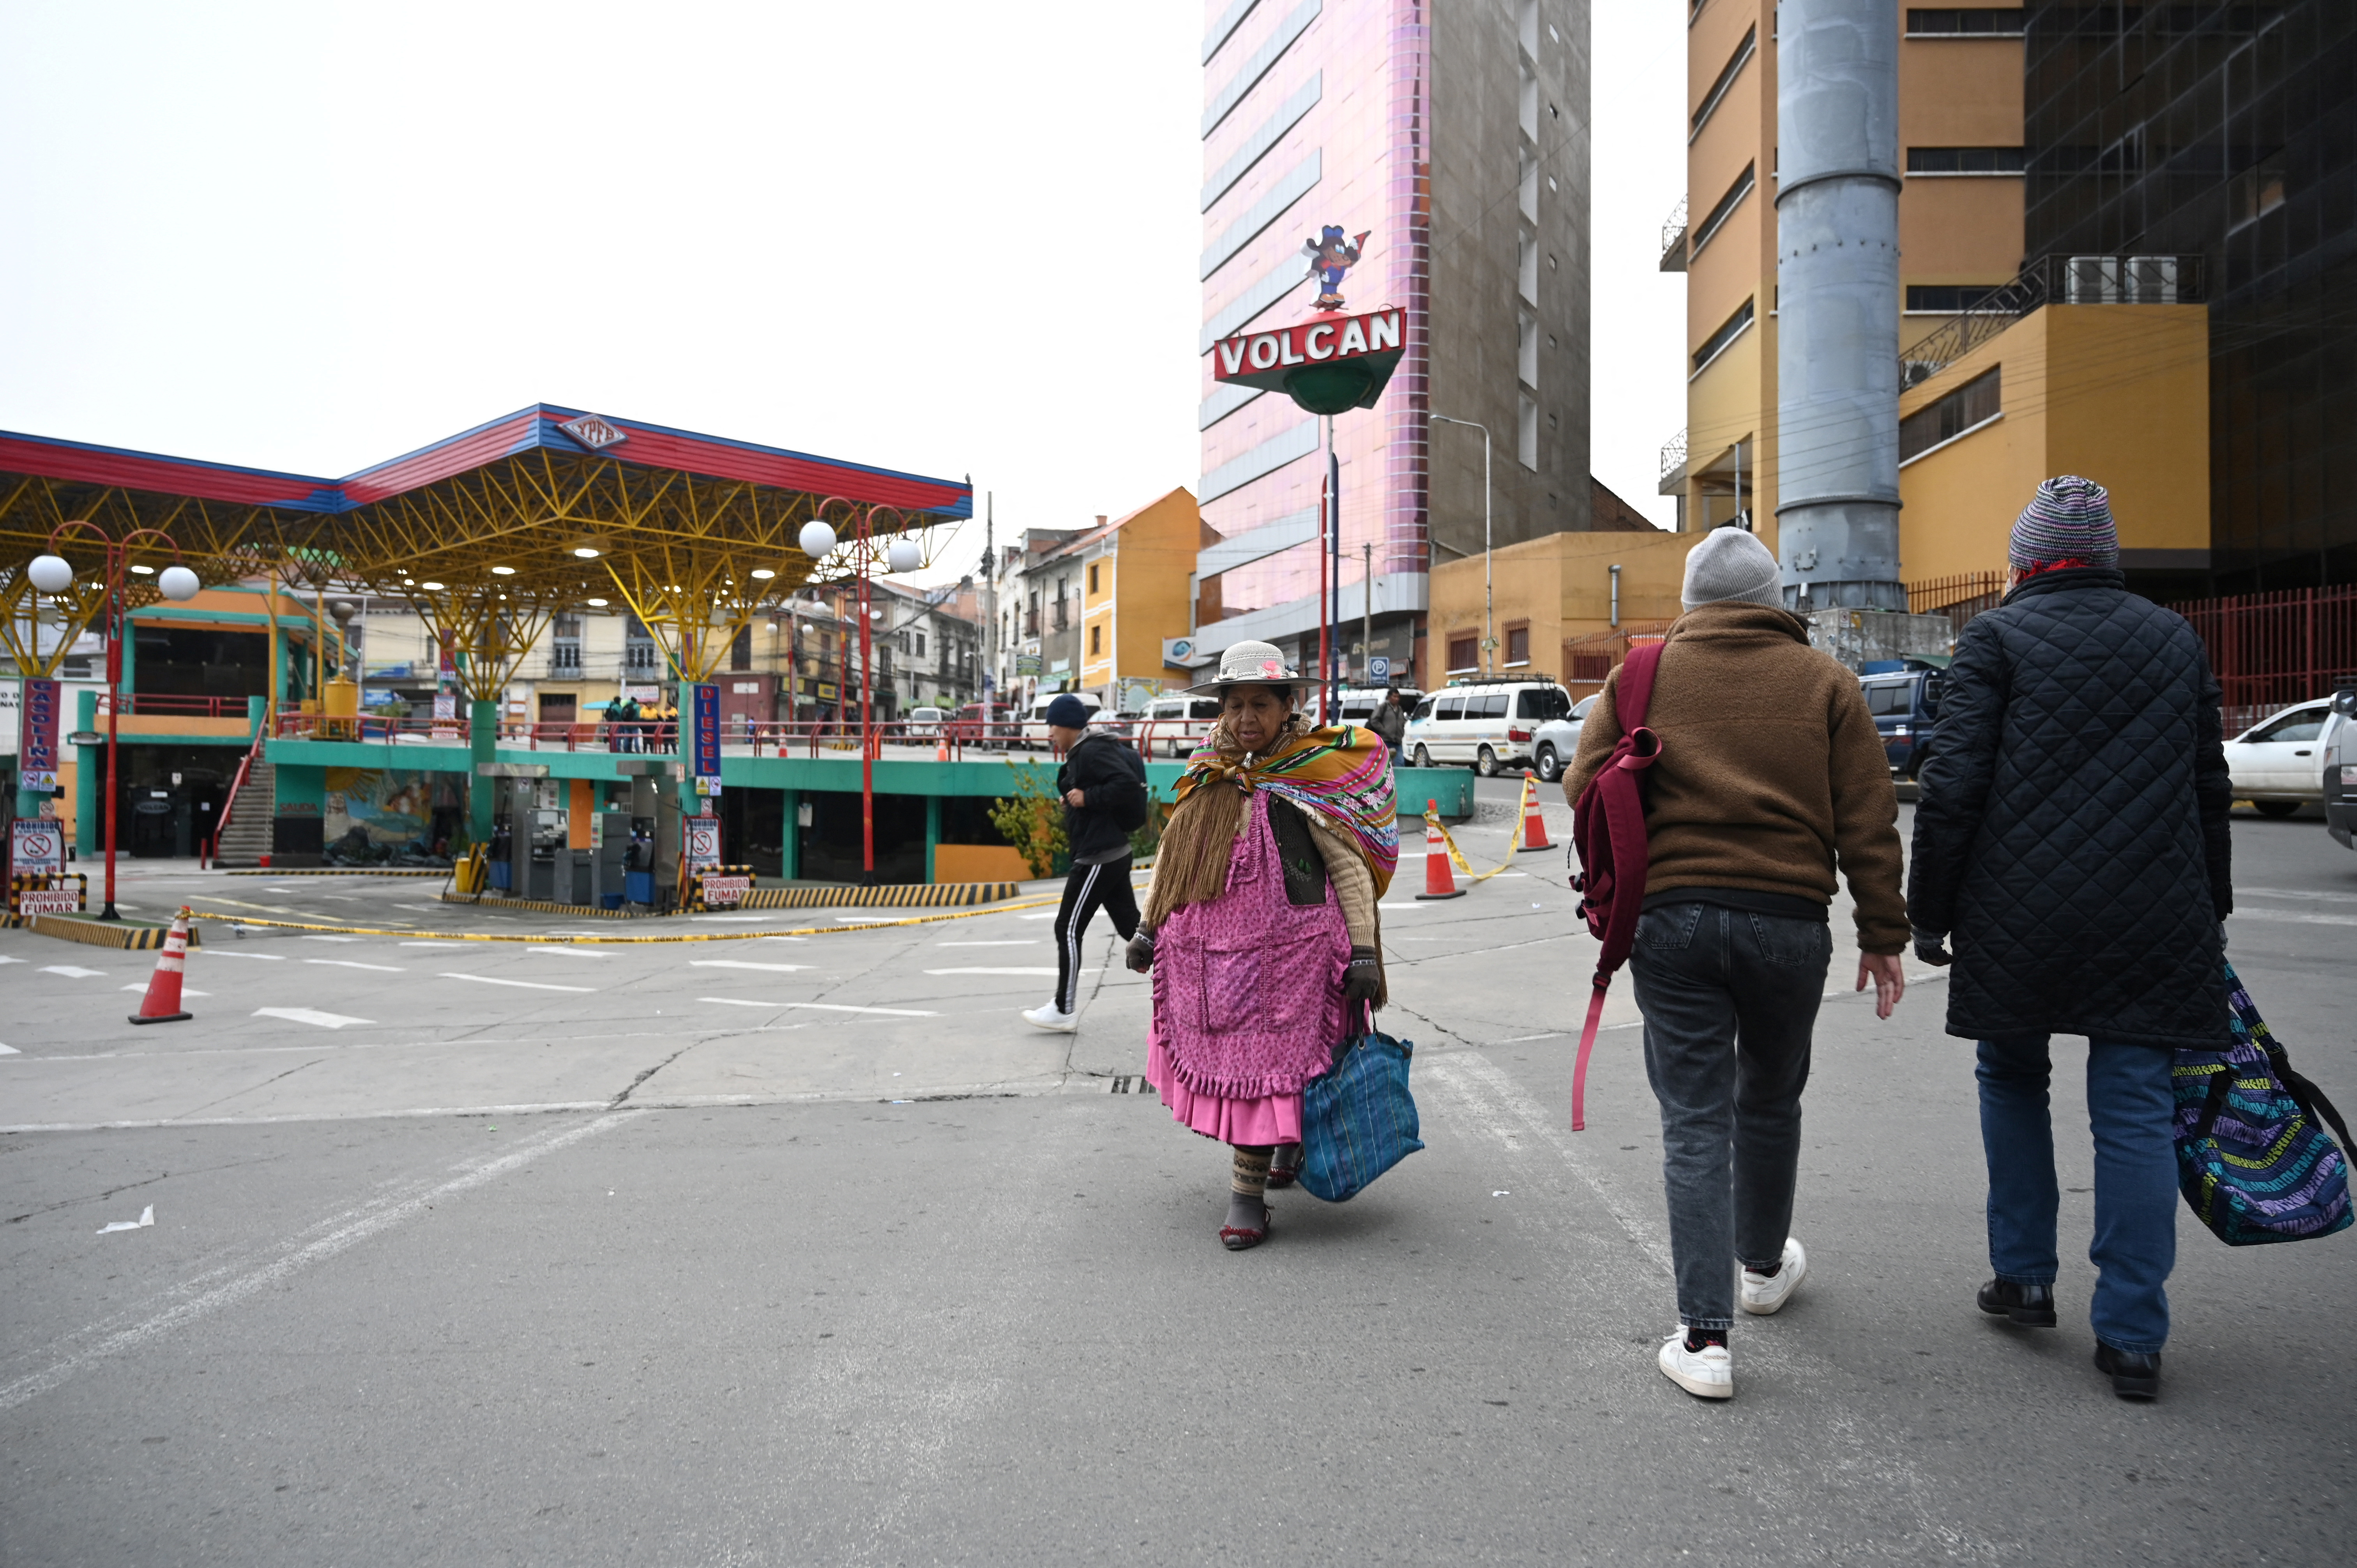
1959,597
2271,650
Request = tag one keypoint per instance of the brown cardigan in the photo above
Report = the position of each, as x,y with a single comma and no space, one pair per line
1771,768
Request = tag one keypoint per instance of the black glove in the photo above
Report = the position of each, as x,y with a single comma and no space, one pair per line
1932,946
1364,981
1140,953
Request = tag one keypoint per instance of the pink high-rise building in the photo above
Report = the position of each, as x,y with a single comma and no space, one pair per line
1455,137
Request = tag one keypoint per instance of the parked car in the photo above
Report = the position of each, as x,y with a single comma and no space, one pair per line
1175,725
2339,759
1555,741
924,724
2277,764
1357,704
1488,722
1906,708
985,726
1035,723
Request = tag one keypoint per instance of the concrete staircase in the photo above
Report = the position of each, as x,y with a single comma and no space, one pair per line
247,838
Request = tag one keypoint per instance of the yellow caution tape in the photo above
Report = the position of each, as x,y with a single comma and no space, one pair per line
863,925
1514,846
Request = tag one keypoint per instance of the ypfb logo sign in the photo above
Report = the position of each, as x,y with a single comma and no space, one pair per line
1325,366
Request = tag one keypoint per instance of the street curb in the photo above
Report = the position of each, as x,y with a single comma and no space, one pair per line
912,894
91,933
338,871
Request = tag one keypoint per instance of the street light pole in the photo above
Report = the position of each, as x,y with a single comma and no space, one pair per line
1488,595
52,574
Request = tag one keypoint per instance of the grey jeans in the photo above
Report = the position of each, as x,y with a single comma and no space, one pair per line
1730,1000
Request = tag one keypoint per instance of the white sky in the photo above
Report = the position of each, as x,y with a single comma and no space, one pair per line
948,238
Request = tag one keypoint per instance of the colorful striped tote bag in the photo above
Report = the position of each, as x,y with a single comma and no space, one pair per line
1357,1119
2252,1161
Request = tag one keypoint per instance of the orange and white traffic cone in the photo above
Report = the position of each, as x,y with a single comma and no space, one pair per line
941,750
1534,824
1439,881
162,1003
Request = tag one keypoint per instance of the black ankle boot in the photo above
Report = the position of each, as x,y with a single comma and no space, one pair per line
2135,1374
2029,1306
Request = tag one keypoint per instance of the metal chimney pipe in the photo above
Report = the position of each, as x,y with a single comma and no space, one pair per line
1837,306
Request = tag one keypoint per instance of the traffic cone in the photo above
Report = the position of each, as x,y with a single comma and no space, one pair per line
162,1003
1439,881
1534,824
941,749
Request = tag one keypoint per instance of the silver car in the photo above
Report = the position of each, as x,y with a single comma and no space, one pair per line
1556,740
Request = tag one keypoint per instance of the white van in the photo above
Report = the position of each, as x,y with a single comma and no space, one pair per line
1487,723
1035,723
1173,727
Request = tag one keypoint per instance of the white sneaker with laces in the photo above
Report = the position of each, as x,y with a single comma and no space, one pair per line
1763,1293
1050,1016
1707,1373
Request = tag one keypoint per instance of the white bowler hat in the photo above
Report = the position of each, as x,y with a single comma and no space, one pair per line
1248,664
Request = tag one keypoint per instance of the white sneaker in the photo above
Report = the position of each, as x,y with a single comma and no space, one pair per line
1050,1016
1763,1293
1708,1372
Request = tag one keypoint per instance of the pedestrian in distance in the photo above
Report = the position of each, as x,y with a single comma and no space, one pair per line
617,724
1103,786
2071,841
1389,721
1770,778
1260,924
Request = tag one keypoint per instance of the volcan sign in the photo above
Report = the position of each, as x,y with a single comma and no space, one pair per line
1327,364
37,737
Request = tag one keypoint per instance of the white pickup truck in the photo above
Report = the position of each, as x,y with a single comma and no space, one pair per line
2339,750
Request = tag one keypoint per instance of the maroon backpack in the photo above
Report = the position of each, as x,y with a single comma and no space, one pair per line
1607,830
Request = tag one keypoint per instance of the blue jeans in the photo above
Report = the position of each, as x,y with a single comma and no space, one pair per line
2129,1107
1730,1002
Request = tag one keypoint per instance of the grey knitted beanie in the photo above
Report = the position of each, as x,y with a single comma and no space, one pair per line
1730,564
2070,519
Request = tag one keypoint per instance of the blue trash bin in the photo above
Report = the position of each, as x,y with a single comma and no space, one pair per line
502,875
638,887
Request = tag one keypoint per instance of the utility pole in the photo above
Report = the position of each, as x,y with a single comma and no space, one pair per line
1366,605
989,599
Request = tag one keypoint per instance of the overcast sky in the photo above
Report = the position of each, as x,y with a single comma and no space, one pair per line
951,238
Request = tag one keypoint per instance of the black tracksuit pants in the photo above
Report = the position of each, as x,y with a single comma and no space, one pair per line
1086,890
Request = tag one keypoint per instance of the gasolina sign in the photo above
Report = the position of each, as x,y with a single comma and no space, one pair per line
1327,364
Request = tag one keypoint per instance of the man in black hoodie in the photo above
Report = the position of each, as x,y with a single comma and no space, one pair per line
1104,786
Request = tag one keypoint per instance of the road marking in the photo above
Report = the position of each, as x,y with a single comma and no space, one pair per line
431,945
232,952
521,984
309,1015
355,963
1042,915
2297,893
331,938
2294,917
71,971
872,919
357,1225
6,958
822,1007
1014,942
185,991
745,963
990,972
558,951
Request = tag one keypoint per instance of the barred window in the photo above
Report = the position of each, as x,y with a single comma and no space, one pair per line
1975,404
1964,160
1996,22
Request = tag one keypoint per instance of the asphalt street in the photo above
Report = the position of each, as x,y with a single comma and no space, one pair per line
793,1244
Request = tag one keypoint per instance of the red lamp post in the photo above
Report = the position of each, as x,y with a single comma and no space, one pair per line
901,554
52,574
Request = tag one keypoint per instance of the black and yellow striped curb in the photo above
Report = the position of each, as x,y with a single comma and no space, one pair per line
105,934
338,871
570,940
913,894
545,905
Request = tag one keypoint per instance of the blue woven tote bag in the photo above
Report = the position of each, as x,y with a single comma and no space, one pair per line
2252,1161
1357,1119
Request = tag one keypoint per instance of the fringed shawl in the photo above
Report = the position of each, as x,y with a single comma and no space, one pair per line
1342,772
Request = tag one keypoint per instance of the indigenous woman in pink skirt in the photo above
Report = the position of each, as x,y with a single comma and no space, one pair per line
1260,925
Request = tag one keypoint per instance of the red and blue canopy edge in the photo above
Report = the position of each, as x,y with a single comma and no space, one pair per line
538,426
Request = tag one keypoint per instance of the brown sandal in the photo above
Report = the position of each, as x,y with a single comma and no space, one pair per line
1241,1238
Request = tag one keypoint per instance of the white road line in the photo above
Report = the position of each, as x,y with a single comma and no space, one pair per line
309,1015
422,945
746,963
1014,942
6,958
1042,915
314,939
232,952
351,1227
555,951
2297,893
990,972
822,1007
2293,916
355,963
9,1051
71,971
521,984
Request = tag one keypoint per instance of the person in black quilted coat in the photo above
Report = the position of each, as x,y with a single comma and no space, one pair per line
2072,838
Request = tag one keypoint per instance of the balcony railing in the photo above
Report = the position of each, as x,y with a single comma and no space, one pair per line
157,704
1674,239
1674,454
2054,280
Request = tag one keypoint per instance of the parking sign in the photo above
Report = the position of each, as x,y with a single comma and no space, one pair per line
1379,668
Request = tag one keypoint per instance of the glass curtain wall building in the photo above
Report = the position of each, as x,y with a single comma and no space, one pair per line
1454,138
2227,131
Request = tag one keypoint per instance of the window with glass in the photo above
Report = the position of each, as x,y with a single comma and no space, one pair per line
1542,703
1968,407
1518,645
1964,160
1956,22
1463,652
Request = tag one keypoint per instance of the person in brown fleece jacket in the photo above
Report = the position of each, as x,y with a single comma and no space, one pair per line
1770,778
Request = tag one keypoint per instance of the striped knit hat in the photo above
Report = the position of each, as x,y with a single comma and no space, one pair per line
2069,520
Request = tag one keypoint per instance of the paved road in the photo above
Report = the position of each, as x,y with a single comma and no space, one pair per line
747,1296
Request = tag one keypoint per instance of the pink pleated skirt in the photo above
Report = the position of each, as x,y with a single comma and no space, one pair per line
1269,1119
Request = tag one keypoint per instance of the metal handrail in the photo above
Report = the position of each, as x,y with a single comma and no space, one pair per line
2058,279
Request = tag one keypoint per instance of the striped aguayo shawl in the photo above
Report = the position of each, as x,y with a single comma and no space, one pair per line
1341,771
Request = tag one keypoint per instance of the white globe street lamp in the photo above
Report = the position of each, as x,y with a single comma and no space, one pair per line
51,574
816,538
903,555
178,583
